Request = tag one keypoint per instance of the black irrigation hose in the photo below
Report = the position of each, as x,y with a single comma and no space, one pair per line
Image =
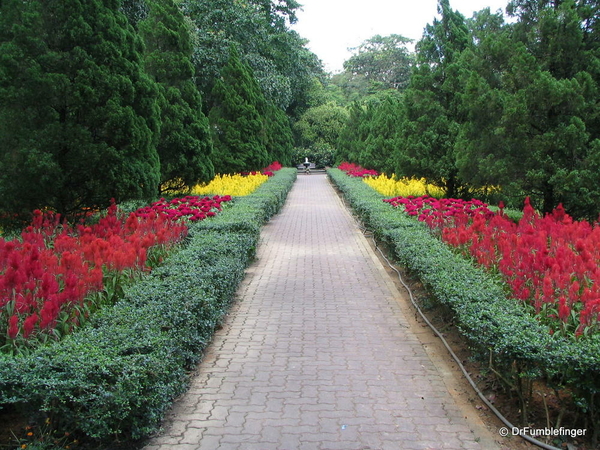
506,422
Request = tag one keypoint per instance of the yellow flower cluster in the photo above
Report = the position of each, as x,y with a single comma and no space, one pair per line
392,187
235,185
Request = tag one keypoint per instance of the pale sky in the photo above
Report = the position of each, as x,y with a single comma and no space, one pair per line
333,26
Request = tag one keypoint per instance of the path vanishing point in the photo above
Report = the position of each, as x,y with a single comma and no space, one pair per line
317,353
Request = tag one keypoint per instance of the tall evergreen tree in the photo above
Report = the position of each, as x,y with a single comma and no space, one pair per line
354,133
78,115
531,114
432,100
185,145
237,125
483,148
383,140
280,140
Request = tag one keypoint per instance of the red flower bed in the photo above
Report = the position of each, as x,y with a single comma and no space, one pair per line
354,170
550,262
273,167
268,171
441,212
190,207
48,276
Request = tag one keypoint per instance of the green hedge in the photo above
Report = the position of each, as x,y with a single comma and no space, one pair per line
116,377
486,316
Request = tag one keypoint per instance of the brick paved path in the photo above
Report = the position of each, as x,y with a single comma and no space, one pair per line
317,354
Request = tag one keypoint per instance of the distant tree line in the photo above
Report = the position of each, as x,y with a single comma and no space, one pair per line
126,99
490,104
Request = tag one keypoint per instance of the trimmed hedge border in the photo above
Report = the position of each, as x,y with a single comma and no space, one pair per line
114,379
486,317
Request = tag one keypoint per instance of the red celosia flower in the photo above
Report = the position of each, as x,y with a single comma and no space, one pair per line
13,326
29,325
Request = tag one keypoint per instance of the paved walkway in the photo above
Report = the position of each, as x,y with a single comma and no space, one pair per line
317,354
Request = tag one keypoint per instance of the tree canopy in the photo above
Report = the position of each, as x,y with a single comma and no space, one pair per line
184,146
281,64
383,60
508,108
110,98
126,98
237,119
78,115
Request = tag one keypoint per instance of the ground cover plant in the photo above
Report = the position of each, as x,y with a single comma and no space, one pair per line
113,379
502,331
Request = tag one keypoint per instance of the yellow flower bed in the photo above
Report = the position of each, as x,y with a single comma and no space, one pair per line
391,187
234,185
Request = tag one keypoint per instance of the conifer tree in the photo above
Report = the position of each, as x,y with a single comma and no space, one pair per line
531,115
237,125
355,132
78,116
184,146
432,103
383,141
280,140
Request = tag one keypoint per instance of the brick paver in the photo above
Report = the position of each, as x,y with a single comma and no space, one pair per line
317,354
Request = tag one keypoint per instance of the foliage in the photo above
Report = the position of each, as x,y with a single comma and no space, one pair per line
116,378
279,139
78,116
382,60
492,105
542,102
237,120
371,135
349,89
382,141
354,133
283,67
323,90
429,132
134,10
185,145
320,125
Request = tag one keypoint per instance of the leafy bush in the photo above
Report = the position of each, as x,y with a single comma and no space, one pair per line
116,377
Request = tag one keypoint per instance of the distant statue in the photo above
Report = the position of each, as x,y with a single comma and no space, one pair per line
306,166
